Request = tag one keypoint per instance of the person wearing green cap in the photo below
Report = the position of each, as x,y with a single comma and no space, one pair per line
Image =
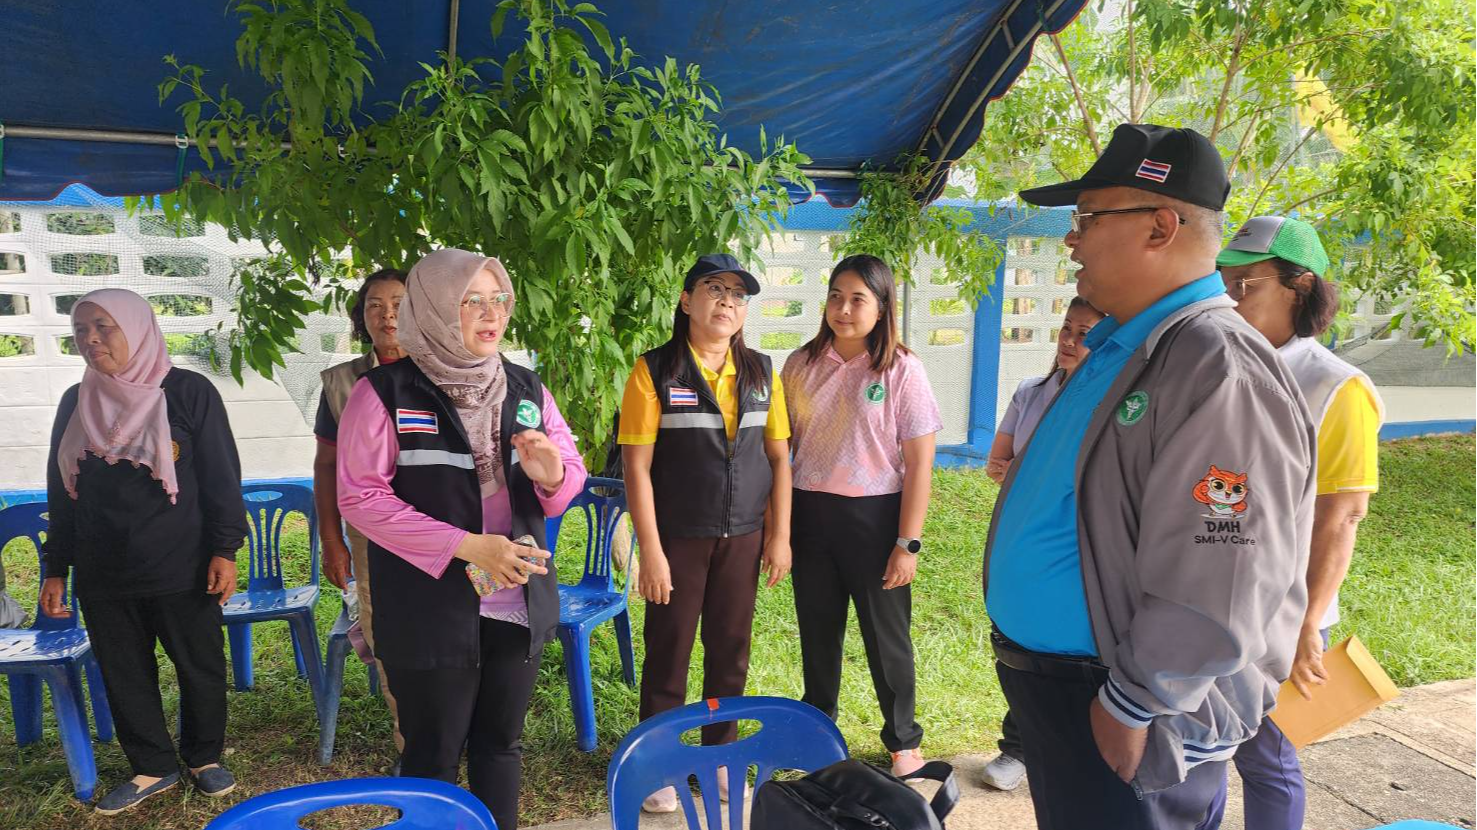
1273,267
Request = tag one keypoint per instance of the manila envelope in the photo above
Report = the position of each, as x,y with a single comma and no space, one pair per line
1356,686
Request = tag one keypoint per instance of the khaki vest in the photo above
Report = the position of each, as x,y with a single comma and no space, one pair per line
338,382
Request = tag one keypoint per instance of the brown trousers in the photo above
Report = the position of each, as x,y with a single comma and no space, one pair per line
715,580
359,555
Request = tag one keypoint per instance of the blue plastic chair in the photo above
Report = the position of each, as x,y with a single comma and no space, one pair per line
266,596
792,735
336,657
1413,824
424,804
56,651
594,600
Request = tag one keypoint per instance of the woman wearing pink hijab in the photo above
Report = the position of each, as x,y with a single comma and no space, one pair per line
444,461
144,496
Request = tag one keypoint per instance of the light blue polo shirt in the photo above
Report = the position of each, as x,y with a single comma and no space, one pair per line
1036,597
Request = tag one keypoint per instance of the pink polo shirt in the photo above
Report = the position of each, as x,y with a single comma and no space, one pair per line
367,449
848,422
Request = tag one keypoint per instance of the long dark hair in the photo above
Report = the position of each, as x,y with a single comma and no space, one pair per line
1317,300
883,341
675,355
356,314
1077,304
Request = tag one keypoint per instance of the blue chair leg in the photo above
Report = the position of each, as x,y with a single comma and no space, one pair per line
305,630
25,705
333,692
581,692
102,712
297,655
242,669
623,642
71,721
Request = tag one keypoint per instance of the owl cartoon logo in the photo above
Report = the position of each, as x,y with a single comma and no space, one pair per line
1224,492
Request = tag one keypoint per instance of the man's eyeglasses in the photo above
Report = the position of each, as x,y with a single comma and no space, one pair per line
1078,217
496,305
718,290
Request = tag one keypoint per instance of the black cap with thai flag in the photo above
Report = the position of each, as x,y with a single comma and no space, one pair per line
1178,163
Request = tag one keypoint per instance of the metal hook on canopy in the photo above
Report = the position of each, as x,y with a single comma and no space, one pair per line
183,143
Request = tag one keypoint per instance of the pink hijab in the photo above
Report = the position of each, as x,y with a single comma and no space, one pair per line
123,416
431,335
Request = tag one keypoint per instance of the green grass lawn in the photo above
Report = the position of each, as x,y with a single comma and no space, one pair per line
1409,597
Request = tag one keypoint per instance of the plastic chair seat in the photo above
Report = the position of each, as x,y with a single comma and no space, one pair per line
28,647
252,606
583,605
424,804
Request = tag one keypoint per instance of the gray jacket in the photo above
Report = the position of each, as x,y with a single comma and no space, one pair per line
1195,487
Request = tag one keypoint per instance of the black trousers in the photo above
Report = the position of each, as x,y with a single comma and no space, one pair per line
1072,787
1010,738
483,709
841,546
123,633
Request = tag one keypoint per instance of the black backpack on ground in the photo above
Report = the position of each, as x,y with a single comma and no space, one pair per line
854,795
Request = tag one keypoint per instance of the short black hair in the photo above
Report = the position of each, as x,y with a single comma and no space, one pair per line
356,313
1317,299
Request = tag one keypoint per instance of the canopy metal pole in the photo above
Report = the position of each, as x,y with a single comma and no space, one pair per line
456,8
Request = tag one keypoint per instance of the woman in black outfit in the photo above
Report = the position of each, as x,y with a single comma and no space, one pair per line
153,540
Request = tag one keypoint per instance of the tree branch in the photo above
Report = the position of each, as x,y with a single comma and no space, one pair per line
1315,197
1077,93
1241,147
1307,134
1298,44
1232,67
1133,73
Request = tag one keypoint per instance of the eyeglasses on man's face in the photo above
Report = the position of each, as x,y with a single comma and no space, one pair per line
717,290
1078,224
484,306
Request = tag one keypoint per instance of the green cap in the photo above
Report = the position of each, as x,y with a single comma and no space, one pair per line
1264,237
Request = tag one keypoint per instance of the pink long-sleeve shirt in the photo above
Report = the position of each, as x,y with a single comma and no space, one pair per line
367,449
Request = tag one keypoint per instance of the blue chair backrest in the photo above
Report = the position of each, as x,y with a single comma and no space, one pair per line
267,506
424,805
604,502
29,521
792,735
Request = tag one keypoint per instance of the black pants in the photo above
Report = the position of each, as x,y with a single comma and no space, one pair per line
841,546
483,709
123,633
715,581
1010,738
1072,787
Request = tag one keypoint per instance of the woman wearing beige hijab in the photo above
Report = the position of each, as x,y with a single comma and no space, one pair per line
444,460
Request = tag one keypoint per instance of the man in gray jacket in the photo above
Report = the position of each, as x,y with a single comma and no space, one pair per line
1145,562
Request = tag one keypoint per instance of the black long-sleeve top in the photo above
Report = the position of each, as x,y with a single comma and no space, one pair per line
121,534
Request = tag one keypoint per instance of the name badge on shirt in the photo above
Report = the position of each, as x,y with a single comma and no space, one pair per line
677,396
416,420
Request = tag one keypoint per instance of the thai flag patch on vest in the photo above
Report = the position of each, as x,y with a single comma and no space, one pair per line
677,396
415,420
1154,171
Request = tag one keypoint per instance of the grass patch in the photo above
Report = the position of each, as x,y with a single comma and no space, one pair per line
1409,597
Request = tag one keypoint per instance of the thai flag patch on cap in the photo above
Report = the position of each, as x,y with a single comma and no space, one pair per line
415,420
677,396
1154,171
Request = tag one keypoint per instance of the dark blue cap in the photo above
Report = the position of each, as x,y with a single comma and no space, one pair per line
709,264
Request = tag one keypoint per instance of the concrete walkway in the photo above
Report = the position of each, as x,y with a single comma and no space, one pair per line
1412,758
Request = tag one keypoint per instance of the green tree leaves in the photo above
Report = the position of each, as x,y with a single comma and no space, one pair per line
596,179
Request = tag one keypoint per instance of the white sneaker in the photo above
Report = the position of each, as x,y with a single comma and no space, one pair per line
1004,772
661,801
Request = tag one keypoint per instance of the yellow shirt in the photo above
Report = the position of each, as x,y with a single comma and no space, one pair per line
641,410
1348,442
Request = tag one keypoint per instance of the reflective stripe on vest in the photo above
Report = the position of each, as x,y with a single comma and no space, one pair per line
427,458
692,420
754,418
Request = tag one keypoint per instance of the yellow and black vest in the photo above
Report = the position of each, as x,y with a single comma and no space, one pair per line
423,622
706,486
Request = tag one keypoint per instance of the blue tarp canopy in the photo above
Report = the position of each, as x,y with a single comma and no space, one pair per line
851,83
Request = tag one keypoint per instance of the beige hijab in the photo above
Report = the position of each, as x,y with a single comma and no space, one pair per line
431,335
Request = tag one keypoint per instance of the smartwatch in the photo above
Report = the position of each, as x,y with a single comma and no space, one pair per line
910,545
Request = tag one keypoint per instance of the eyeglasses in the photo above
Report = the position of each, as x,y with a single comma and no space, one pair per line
718,290
1078,217
496,305
1236,286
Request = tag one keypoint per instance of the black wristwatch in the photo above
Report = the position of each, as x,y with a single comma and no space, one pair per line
910,545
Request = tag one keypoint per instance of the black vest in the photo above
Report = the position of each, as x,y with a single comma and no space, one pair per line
704,485
426,623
